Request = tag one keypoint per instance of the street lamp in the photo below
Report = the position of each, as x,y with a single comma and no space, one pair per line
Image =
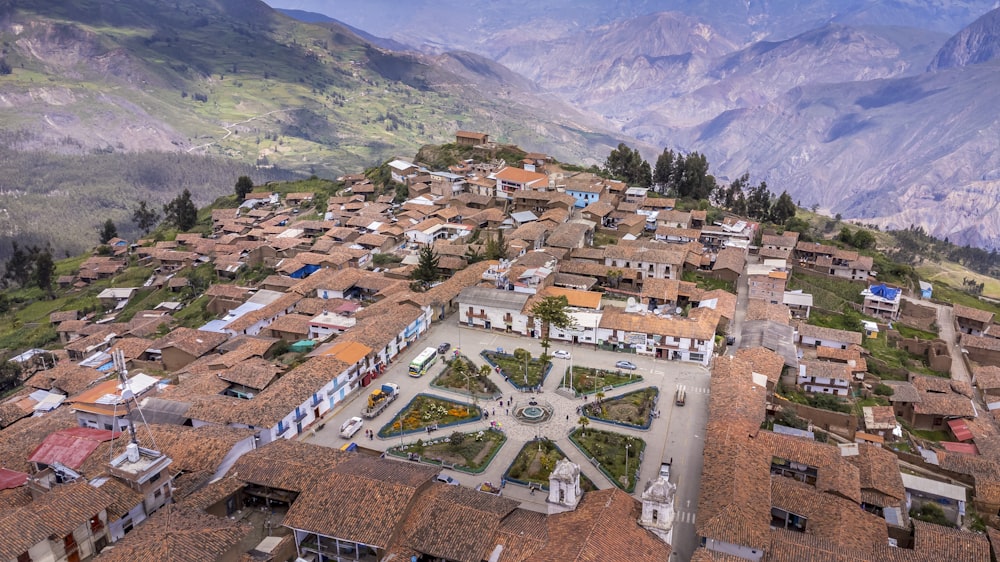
628,443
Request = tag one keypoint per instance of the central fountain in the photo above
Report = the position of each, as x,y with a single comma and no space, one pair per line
533,411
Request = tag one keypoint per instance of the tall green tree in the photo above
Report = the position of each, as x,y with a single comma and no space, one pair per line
783,209
426,271
243,187
19,267
663,169
181,211
759,202
627,165
695,181
552,311
108,231
496,247
45,269
145,217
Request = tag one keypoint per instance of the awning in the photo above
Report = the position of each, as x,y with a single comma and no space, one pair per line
960,429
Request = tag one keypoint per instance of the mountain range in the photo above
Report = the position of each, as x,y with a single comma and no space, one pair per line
204,80
878,111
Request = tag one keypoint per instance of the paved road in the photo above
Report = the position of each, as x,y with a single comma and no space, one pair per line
946,325
678,433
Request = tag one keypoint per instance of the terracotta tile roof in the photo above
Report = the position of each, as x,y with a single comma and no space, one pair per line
275,308
649,252
827,369
759,309
454,523
787,240
944,404
974,314
193,342
702,554
291,390
599,208
763,361
65,376
879,417
851,356
361,499
791,546
829,334
602,527
734,502
700,323
833,473
123,498
519,175
732,259
180,534
291,323
987,378
55,513
903,392
131,347
212,493
664,290
253,373
878,470
381,323
522,534
62,316
980,342
934,543
829,517
227,291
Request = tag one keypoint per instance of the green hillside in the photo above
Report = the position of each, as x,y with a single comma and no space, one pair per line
227,79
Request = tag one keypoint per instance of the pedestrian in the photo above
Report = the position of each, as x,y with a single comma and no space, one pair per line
508,411
494,412
486,414
567,417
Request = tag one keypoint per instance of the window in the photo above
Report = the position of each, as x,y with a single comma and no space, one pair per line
157,493
155,477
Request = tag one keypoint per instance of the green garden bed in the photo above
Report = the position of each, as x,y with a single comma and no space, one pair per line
468,452
427,411
535,462
608,449
513,368
589,380
632,409
468,376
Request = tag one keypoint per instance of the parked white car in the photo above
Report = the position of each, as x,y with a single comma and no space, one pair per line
561,354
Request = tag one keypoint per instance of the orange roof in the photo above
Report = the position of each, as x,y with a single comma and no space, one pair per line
575,297
349,352
520,176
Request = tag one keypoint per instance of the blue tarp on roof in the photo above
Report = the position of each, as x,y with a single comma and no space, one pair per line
887,293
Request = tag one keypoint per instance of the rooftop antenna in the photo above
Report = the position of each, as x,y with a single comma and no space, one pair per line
128,398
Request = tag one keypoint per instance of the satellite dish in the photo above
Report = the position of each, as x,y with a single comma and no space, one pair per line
679,310
631,302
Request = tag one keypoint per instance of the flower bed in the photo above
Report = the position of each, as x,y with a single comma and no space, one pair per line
427,413
535,462
468,452
454,380
608,449
633,409
588,380
512,369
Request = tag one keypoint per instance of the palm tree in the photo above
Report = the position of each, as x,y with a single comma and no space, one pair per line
600,400
584,421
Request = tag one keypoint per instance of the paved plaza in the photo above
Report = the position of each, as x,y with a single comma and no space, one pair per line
677,433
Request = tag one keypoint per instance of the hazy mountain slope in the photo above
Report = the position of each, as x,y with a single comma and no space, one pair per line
317,18
915,150
235,79
489,27
977,43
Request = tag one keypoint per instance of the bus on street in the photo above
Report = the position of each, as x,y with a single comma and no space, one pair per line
423,362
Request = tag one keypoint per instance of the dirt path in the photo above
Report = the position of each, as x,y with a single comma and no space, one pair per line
229,131
946,325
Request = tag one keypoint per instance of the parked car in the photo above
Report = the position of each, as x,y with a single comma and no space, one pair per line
561,354
680,396
445,479
626,365
730,340
443,348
